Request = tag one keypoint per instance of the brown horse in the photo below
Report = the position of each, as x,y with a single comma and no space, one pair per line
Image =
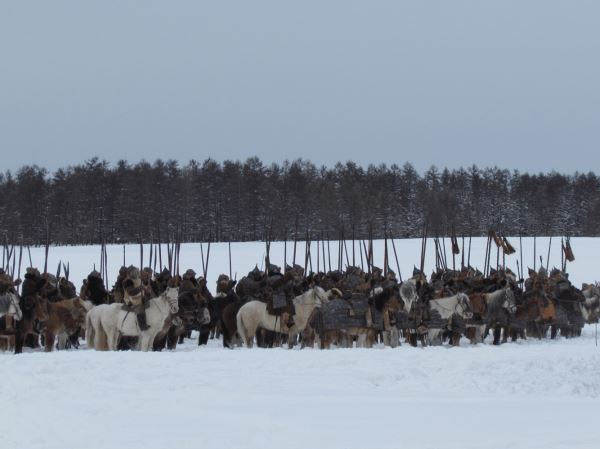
229,324
65,319
35,313
533,317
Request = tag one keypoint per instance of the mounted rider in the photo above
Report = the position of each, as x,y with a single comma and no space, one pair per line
118,291
135,296
8,286
93,289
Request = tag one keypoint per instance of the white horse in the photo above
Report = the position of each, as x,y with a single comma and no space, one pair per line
458,304
590,309
253,315
107,322
9,305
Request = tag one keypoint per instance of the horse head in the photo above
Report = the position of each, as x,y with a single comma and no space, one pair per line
465,304
171,295
409,294
40,312
321,297
509,303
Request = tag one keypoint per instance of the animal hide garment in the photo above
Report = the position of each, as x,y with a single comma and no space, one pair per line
348,313
4,303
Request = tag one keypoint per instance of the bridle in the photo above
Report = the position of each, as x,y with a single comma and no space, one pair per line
506,304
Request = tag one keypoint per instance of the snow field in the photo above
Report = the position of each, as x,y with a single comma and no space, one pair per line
529,394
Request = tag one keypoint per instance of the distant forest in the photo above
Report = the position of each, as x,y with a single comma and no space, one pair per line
238,201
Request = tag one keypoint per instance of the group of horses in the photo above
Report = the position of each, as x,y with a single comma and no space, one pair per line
324,310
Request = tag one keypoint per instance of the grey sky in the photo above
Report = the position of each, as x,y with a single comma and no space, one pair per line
508,83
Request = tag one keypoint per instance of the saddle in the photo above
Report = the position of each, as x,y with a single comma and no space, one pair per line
278,304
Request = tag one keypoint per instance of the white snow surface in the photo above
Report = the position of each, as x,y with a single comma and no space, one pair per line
529,394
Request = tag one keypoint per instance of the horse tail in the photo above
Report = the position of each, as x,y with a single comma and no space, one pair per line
241,328
225,332
89,331
101,338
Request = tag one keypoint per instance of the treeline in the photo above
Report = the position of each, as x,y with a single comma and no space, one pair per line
240,201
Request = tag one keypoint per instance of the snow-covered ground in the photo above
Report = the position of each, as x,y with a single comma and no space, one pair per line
530,394
533,394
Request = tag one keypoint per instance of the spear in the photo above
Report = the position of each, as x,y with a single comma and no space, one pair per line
462,258
207,258
548,258
159,250
469,257
29,254
562,254
202,257
318,257
521,255
328,252
367,257
487,249
346,252
437,253
307,253
295,240
47,249
229,247
294,253
284,250
424,246
141,254
170,255
20,258
124,264
353,250
101,258
105,266
14,260
340,251
362,267
323,251
396,257
444,246
155,258
385,254
534,252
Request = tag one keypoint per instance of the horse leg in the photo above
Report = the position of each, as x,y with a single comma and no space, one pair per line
19,337
291,340
504,334
63,339
112,338
48,341
497,331
361,341
146,341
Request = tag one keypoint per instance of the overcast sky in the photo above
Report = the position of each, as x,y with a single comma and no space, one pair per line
450,83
